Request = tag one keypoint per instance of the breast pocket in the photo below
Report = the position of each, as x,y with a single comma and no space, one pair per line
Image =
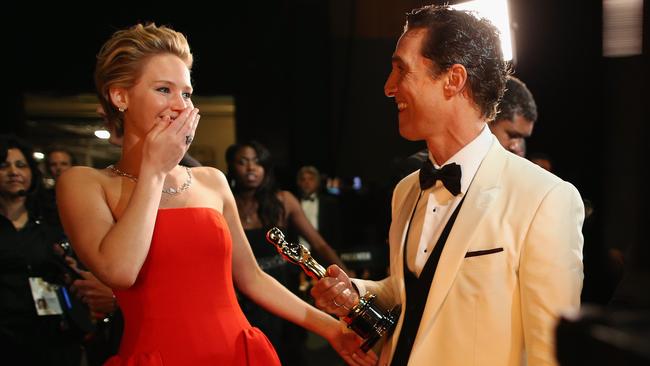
483,270
484,260
478,253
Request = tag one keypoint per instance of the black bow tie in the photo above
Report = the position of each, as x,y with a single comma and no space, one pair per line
449,175
311,197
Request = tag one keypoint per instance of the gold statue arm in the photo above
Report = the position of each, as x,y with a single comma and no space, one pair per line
296,253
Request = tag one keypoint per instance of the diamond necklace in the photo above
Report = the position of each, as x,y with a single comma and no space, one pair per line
170,191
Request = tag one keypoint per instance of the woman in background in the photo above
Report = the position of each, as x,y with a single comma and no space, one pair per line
261,206
29,229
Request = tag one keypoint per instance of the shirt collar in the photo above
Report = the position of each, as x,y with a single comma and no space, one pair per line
312,197
470,157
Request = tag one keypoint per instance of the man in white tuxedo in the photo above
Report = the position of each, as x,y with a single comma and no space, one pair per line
485,247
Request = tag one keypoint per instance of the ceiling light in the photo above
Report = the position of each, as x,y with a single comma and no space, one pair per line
103,134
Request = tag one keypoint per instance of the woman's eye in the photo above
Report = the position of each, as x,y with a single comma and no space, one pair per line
163,89
21,164
187,95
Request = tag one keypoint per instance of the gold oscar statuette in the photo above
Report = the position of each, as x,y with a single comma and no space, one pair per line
366,318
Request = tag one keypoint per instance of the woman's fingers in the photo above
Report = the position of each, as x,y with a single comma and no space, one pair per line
168,140
189,128
185,120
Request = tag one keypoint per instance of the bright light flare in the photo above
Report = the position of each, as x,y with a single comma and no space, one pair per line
496,11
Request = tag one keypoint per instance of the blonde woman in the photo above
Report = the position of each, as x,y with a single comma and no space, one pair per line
167,238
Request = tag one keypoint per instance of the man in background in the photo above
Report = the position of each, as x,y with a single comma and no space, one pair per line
321,209
516,116
58,161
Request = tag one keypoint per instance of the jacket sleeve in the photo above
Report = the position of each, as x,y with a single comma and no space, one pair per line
387,289
551,270
383,289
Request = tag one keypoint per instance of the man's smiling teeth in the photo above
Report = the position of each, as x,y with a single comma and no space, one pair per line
401,106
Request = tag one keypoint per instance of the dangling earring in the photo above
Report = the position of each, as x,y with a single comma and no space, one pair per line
122,109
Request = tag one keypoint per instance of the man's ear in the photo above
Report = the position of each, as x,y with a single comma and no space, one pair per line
455,80
119,98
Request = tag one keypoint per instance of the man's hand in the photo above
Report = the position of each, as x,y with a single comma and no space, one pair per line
98,296
335,293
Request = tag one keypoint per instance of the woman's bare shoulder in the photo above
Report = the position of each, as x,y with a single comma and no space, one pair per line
208,174
287,199
81,174
212,179
282,194
83,189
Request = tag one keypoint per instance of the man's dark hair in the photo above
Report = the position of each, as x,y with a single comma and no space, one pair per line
517,99
270,209
539,156
459,37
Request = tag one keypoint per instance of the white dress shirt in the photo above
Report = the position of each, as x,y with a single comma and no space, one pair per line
437,204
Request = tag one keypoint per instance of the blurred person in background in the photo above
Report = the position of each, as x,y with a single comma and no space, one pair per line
515,118
261,206
58,160
29,273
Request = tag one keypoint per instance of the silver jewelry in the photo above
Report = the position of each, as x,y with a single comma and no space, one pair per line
188,139
170,191
336,303
122,109
246,215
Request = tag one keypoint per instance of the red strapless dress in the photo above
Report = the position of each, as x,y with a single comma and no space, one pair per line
182,309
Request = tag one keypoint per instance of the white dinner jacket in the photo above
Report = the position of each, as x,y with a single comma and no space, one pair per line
500,308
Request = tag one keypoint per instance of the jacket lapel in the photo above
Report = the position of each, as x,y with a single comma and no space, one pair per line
482,192
397,234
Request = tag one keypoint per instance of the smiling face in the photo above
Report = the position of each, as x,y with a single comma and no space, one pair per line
161,93
417,92
247,170
15,174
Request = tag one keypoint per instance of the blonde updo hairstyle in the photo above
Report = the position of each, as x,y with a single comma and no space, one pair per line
121,58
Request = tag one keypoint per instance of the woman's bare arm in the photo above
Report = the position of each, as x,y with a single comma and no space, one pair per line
274,297
114,250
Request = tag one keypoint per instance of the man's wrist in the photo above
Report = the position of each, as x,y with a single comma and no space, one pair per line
355,288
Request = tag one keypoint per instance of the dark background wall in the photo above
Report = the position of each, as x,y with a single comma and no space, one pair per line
307,78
